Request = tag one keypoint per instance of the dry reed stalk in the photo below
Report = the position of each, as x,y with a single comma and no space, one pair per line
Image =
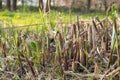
44,51
74,32
77,29
81,46
85,39
5,49
106,72
66,60
74,40
4,54
31,67
81,25
74,66
26,48
106,34
82,75
69,41
61,51
48,44
21,65
43,59
93,36
61,27
96,29
100,22
76,47
119,53
60,42
78,25
113,72
57,54
82,57
77,43
96,69
89,38
70,50
77,51
48,47
103,43
62,32
82,66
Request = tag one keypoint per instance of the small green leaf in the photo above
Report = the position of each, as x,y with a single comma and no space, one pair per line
33,46
114,7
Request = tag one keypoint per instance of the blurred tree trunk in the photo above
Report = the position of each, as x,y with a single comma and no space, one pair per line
9,5
45,6
14,5
22,3
40,5
48,5
0,4
88,4
105,4
53,2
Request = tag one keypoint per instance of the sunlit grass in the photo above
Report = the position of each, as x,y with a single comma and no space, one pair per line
22,18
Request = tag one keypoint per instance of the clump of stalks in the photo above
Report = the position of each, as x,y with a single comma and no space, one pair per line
79,50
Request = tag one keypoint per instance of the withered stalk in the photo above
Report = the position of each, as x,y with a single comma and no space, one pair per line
31,67
89,38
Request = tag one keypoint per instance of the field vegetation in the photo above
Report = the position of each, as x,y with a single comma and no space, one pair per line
60,44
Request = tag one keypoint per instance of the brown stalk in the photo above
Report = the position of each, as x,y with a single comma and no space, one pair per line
43,60
60,42
4,50
100,22
106,34
110,58
81,25
74,40
96,69
74,66
114,71
4,53
74,30
77,50
77,43
106,72
96,29
71,50
31,67
82,57
103,43
57,55
20,60
48,45
119,52
93,36
82,66
89,38
82,75
78,25
81,50
62,33
65,61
